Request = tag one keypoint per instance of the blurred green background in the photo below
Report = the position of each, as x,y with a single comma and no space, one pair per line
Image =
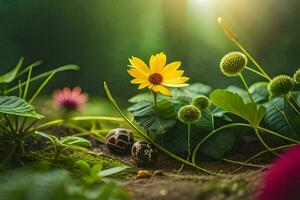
100,35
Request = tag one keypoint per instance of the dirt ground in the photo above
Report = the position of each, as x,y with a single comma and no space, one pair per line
190,184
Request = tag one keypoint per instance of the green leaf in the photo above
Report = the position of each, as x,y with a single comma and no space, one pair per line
112,171
13,105
281,118
75,141
259,92
10,76
157,122
191,90
234,103
220,144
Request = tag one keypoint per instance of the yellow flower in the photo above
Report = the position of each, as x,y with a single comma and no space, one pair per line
159,76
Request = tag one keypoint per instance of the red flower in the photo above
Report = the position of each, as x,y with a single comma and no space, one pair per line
282,180
68,99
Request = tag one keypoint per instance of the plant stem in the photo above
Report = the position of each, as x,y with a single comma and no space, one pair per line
57,152
242,163
262,140
9,124
293,104
154,100
246,86
159,147
188,145
263,152
212,119
256,72
80,118
236,125
252,59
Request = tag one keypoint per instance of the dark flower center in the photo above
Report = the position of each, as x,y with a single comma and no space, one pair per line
155,78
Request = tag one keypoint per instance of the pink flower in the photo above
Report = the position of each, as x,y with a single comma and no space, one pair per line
282,180
68,99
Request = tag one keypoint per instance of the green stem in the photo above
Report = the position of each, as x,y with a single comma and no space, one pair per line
246,86
242,163
154,100
188,145
212,119
262,141
80,118
252,59
256,72
263,152
8,123
294,105
159,147
236,125
57,152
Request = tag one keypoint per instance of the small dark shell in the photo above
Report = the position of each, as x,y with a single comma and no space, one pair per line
119,141
144,153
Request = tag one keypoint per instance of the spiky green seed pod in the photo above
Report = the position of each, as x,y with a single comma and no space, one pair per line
297,76
233,63
280,85
201,102
189,114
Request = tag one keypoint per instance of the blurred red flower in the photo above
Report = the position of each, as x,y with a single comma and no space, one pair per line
70,100
282,180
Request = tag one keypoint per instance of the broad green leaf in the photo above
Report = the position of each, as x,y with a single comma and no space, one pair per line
191,90
13,105
141,97
281,118
112,171
75,141
10,76
157,122
259,92
220,144
234,103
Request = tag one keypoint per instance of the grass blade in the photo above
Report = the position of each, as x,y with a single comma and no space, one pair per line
45,74
41,87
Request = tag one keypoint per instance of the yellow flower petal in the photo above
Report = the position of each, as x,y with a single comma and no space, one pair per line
152,64
160,61
162,89
137,81
171,67
173,75
139,64
176,85
137,74
176,81
143,85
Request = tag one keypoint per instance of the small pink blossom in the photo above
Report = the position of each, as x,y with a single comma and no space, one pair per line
70,100
282,180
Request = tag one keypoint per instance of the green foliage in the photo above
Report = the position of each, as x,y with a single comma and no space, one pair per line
65,143
281,118
55,184
158,121
11,75
233,103
92,174
220,144
13,105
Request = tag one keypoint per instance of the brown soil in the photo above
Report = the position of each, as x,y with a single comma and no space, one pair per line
190,184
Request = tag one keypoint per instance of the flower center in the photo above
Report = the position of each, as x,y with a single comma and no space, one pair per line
155,78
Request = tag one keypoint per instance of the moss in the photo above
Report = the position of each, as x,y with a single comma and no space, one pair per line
233,188
69,161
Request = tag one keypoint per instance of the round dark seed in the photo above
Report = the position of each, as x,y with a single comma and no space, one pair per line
144,153
119,141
